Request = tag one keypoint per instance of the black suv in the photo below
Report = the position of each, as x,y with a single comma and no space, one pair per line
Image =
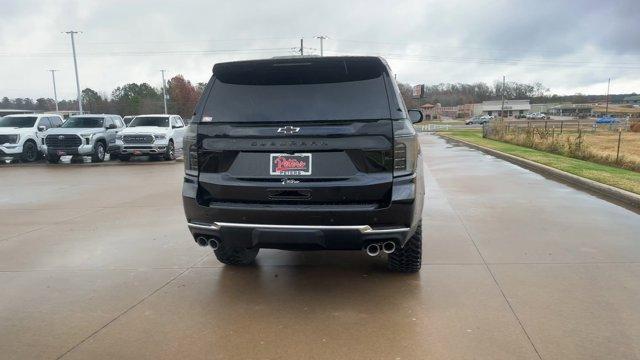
301,154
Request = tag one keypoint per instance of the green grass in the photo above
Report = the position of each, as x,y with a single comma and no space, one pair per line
620,178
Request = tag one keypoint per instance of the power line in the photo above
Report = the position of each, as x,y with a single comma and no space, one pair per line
143,53
497,61
395,56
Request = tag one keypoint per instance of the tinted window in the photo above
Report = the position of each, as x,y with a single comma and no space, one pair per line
300,90
84,122
159,121
55,121
175,122
18,121
108,121
45,122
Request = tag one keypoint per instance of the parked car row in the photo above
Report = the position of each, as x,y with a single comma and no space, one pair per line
30,136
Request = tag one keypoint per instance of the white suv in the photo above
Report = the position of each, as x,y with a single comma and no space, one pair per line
21,135
151,135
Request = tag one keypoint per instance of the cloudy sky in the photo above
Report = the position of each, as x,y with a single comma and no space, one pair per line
570,46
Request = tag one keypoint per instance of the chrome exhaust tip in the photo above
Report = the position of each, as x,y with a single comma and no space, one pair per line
202,241
213,242
389,247
373,249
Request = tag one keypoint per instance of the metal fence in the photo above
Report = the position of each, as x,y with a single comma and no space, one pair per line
612,144
432,127
571,125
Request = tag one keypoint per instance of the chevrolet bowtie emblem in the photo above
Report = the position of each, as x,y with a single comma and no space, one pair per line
288,130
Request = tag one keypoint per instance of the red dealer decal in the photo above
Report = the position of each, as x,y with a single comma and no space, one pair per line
290,164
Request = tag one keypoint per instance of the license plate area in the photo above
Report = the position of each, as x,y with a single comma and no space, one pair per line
298,164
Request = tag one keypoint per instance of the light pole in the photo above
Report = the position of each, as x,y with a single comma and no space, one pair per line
55,91
164,91
75,65
606,109
321,37
502,107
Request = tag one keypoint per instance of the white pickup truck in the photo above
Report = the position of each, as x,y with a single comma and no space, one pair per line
151,135
21,135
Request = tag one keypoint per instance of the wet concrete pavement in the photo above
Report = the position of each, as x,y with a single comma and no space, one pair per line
96,263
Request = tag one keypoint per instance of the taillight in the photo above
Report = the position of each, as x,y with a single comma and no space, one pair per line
190,147
405,148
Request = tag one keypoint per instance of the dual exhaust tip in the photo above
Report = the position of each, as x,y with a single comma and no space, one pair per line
203,241
375,249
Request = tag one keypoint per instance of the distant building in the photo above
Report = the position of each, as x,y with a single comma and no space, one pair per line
467,110
569,109
541,108
632,100
511,107
428,110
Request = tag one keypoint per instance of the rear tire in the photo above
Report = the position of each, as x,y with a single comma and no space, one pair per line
98,152
232,255
409,258
30,151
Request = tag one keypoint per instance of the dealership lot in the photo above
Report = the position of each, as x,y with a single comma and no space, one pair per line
96,262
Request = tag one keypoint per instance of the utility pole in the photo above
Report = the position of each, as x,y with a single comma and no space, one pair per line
55,91
606,108
75,65
321,37
164,91
301,46
502,108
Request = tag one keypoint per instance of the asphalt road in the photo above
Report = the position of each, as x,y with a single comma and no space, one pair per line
96,262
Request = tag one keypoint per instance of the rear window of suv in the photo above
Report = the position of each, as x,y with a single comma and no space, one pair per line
299,90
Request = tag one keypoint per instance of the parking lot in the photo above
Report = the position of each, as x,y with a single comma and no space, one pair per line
96,262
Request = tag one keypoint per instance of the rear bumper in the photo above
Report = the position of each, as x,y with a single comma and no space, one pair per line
334,227
299,237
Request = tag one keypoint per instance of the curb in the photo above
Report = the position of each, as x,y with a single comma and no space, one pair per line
613,193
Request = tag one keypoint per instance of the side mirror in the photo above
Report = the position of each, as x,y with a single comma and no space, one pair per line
111,126
415,115
42,128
